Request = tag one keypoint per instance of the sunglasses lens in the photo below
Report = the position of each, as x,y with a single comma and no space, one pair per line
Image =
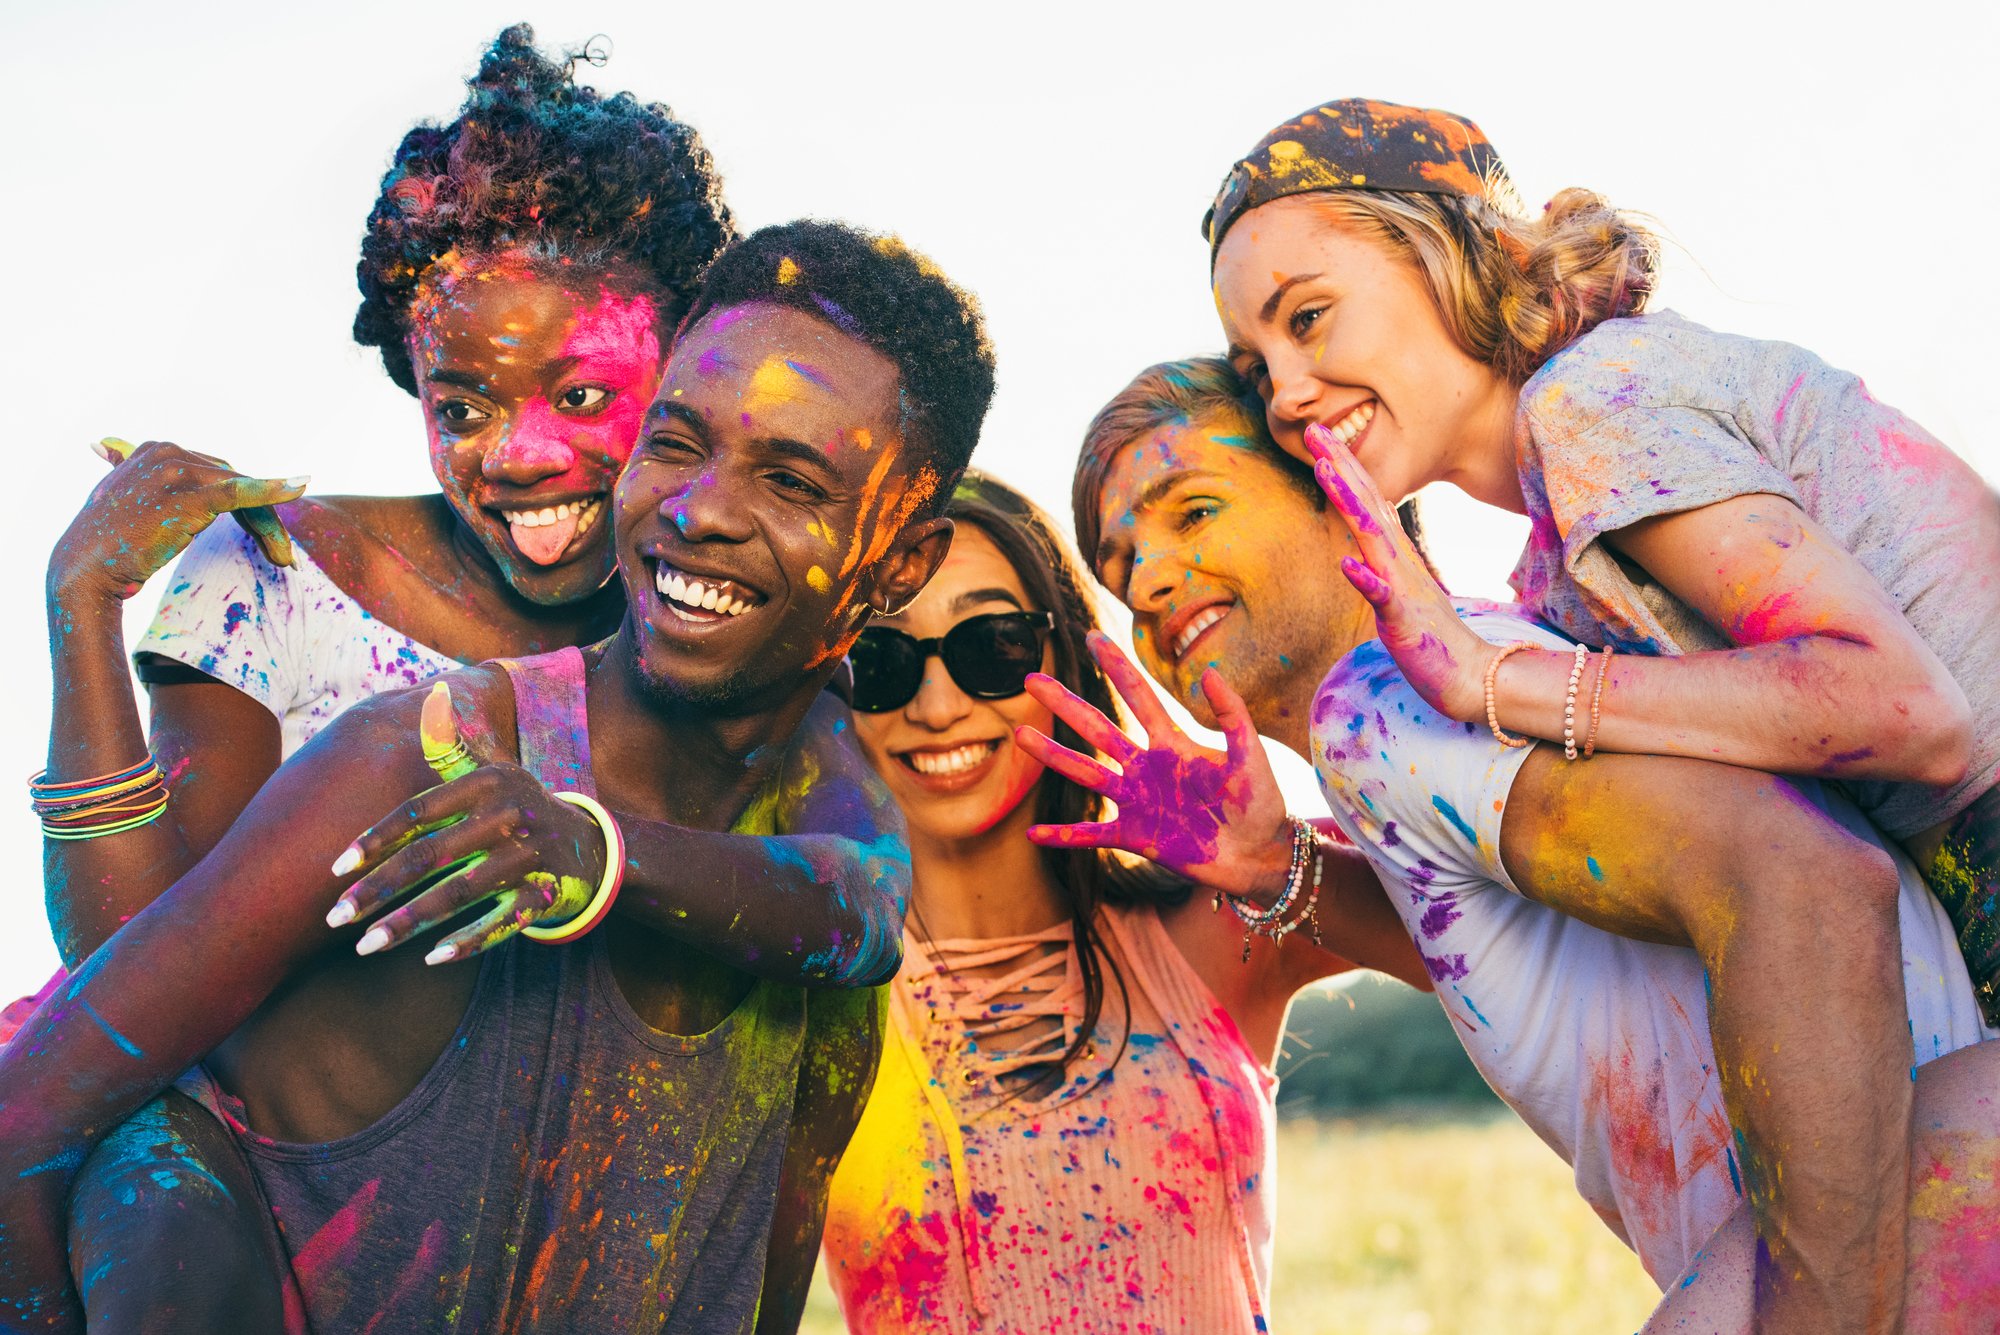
887,670
991,656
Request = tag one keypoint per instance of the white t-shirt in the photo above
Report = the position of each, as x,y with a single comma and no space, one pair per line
291,640
1600,1044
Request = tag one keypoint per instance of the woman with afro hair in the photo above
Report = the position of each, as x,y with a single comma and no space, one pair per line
521,274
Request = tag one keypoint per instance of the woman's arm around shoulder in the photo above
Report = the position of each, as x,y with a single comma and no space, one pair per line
214,745
818,902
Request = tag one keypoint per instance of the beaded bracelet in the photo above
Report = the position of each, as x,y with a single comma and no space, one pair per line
1308,916
1492,674
1569,701
1597,702
1305,843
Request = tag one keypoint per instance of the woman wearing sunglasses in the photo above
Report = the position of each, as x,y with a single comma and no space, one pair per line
1071,1126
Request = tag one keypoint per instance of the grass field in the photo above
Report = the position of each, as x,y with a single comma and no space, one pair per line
1428,1226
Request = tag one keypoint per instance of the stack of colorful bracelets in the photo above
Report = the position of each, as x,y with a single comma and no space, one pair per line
93,808
1271,922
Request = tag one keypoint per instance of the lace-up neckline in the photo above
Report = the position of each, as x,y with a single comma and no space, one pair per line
982,992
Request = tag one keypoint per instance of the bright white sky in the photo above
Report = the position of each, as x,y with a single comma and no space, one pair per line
188,185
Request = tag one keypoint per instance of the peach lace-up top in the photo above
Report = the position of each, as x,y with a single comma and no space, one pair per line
1136,1195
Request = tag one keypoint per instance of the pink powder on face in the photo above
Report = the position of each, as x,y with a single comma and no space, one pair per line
618,339
616,345
1025,773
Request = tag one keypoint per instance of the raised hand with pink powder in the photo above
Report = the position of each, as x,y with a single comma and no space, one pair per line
1443,660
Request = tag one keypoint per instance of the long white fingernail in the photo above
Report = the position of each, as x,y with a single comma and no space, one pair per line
347,861
297,483
340,914
442,955
375,939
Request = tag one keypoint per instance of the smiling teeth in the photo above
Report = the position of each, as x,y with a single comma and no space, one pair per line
694,593
1348,427
585,512
955,761
1202,621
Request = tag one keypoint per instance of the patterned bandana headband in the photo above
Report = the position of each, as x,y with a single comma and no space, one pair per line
1356,144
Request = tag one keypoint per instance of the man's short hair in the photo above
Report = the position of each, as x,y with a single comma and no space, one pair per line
875,289
1173,393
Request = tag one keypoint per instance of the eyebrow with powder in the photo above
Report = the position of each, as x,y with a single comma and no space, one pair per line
678,412
784,447
463,379
1270,308
974,597
1149,496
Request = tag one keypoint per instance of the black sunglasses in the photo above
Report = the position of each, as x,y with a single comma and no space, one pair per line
989,657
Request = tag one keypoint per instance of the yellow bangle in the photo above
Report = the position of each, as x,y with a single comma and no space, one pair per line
607,888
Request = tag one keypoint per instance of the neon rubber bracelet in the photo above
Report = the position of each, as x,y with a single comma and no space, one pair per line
97,832
607,889
36,780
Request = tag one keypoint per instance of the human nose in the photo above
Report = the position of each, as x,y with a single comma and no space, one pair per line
1157,573
1295,396
704,511
938,703
532,447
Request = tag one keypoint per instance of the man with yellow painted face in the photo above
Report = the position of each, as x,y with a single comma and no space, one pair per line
616,1132
1591,1022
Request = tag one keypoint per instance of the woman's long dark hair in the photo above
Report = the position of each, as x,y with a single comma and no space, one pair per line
1084,878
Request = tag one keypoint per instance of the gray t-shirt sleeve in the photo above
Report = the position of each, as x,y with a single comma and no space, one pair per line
1599,473
1654,415
1642,462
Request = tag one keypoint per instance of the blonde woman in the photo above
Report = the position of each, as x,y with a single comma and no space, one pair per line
1800,580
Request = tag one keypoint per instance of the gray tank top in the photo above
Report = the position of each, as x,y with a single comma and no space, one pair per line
564,1167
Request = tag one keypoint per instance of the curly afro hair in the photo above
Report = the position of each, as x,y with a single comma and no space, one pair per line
876,289
536,162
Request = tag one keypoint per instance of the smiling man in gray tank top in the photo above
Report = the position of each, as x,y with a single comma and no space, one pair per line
613,1133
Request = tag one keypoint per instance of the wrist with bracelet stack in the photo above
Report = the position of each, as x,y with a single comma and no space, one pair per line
1302,878
108,804
1573,749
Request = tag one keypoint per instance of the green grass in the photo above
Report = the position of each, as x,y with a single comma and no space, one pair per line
1414,1225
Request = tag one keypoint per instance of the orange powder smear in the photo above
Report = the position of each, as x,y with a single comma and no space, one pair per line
897,507
1454,174
868,493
